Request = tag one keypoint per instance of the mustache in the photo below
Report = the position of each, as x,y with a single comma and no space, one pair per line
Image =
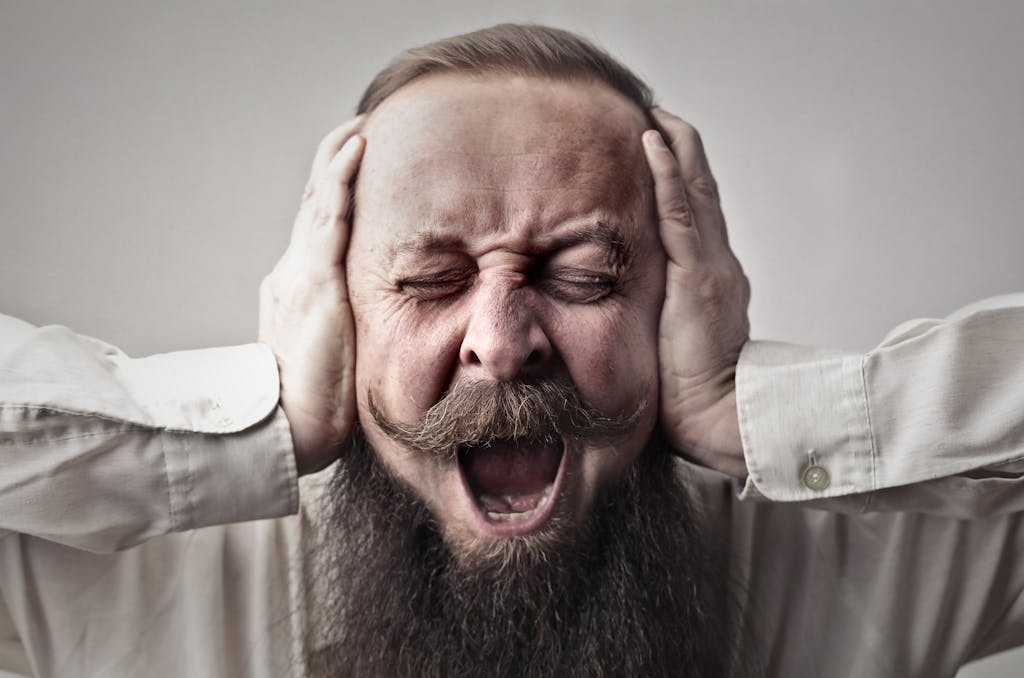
478,413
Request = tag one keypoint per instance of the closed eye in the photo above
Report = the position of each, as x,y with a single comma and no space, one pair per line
577,286
437,286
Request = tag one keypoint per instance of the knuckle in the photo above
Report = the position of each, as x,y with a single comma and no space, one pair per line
704,186
682,134
320,215
736,286
708,288
733,283
334,214
678,211
301,289
746,295
671,172
688,133
702,284
716,289
268,289
668,118
327,143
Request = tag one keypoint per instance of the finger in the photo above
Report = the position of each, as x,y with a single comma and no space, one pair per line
676,223
329,147
701,187
331,227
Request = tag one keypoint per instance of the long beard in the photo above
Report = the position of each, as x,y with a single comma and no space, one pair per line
637,593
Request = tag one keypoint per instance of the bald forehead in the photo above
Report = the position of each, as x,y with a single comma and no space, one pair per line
499,104
490,144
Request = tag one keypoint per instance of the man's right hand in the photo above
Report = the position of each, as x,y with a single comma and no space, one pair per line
305,316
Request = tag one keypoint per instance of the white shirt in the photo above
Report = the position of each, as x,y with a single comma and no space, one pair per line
878,534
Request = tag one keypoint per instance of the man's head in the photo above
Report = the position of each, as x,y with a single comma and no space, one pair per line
504,233
505,508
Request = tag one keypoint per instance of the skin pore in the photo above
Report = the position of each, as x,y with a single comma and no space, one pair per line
504,231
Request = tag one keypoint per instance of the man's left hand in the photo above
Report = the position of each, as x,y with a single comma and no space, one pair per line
704,318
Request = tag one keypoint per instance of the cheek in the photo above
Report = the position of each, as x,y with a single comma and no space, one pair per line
611,355
405,357
611,350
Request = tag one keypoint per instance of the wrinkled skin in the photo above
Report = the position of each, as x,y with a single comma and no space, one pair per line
483,249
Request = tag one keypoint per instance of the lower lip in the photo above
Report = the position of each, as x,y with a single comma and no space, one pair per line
523,526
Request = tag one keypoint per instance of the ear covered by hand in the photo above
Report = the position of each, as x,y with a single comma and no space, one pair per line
306,319
305,315
704,322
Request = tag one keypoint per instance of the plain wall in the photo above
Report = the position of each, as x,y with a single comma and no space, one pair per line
870,154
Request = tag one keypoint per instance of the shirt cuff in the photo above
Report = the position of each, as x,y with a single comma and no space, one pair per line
804,422
228,478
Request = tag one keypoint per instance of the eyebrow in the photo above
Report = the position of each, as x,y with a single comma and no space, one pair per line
425,242
620,252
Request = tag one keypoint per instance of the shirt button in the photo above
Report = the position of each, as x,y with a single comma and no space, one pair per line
816,478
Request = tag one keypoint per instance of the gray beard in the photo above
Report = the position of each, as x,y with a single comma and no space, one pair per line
639,590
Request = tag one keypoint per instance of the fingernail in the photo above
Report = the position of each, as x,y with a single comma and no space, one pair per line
654,138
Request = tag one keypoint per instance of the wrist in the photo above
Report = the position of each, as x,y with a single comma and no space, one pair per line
710,435
314,444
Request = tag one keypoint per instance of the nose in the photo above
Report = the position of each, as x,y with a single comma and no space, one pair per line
503,337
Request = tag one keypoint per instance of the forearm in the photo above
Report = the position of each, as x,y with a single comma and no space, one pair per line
100,451
939,403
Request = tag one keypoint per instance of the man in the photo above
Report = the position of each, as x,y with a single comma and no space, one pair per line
496,345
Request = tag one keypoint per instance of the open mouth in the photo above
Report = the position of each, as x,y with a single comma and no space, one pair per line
514,484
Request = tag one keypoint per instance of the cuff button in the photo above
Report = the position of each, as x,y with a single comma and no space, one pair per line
816,478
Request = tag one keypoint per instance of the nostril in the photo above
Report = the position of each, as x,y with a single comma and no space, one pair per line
534,357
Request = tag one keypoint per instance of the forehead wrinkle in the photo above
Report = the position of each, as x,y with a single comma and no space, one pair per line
472,164
462,171
445,200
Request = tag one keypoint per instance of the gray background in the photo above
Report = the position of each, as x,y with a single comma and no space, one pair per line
871,157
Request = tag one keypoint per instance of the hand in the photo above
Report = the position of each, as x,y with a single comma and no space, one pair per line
704,318
304,308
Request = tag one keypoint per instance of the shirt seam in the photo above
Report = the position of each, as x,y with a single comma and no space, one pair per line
74,413
871,432
173,513
14,441
742,420
189,498
148,425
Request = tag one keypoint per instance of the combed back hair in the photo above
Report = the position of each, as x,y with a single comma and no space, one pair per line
509,49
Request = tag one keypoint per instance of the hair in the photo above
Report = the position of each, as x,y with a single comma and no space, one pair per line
640,588
509,49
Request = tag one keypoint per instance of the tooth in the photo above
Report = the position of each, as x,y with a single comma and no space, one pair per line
504,502
509,517
545,495
492,503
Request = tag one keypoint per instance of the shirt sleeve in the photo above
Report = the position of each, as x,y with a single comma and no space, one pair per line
932,420
101,451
